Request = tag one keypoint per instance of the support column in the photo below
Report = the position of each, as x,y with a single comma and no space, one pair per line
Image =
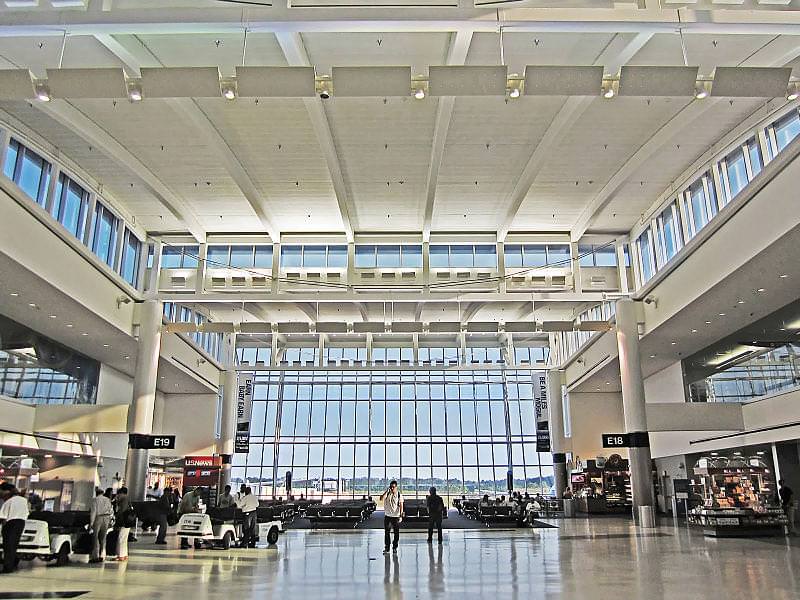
633,403
558,443
228,417
140,413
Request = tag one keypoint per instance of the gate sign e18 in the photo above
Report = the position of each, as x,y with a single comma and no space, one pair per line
616,440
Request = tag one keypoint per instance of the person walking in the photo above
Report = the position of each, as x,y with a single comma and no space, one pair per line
248,505
12,518
435,514
124,519
392,515
100,519
190,503
164,509
786,495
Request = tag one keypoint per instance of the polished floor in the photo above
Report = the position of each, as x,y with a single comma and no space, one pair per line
593,559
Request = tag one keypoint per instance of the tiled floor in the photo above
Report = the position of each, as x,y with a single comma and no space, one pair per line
593,559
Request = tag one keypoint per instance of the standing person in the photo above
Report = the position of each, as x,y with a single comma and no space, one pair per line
190,503
240,494
435,514
392,515
787,502
12,517
100,519
124,519
226,499
165,503
155,492
248,505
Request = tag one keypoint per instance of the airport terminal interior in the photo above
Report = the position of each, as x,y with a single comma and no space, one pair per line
399,299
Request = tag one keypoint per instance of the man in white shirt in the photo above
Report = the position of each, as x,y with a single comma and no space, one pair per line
12,515
248,505
100,520
392,516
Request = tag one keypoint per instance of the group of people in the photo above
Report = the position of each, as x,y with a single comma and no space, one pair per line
247,503
393,516
111,518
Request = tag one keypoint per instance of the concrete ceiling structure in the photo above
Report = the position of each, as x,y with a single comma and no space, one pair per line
484,165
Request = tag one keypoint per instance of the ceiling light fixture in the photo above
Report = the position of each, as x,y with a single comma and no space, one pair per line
740,301
32,304
608,89
793,93
694,330
419,94
134,91
721,314
84,334
53,317
759,290
42,92
673,343
701,90
229,91
708,322
14,294
70,325
783,275
652,356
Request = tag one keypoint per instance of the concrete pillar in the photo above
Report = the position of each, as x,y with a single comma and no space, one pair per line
633,403
558,443
140,413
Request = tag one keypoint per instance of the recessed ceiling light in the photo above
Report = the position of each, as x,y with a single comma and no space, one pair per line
229,92
694,330
70,325
783,275
701,93
721,314
84,334
608,93
42,92
708,322
608,383
673,343
32,304
652,356
761,290
53,317
126,357
48,456
740,301
419,94
15,294
514,93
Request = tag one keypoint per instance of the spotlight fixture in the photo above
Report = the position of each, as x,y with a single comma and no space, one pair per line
324,87
53,317
608,90
514,93
229,91
794,91
419,94
134,91
701,90
14,294
759,290
42,92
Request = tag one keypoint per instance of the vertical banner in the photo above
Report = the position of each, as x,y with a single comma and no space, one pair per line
244,406
542,413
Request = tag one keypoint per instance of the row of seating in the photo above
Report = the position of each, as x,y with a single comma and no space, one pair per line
417,510
341,511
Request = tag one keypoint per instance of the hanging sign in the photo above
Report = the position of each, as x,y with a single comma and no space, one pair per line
542,413
244,405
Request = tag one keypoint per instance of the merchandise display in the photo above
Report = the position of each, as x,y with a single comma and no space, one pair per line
603,487
738,497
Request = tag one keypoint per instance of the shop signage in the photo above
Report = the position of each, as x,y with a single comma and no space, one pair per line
244,404
636,439
201,461
151,442
542,414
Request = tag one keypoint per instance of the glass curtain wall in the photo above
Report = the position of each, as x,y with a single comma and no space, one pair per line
348,433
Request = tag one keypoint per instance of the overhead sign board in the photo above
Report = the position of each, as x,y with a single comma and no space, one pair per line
151,442
636,439
244,404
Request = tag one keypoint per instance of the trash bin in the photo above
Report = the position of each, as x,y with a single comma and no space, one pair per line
647,516
569,508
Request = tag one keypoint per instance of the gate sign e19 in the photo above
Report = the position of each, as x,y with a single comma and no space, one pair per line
616,440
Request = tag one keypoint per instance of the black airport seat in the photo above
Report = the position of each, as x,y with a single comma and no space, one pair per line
70,521
229,514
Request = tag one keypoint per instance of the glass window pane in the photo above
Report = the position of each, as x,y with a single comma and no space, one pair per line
605,257
263,258
786,129
439,257
389,256
737,172
34,175
754,151
190,257
513,255
646,254
558,256
291,256
365,256
242,256
314,256
486,256
217,256
11,159
534,256
412,256
337,257
461,256
586,254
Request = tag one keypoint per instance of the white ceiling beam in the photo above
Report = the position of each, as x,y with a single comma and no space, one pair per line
134,55
777,53
313,298
362,307
85,128
618,52
418,311
456,55
296,55
309,309
280,18
470,312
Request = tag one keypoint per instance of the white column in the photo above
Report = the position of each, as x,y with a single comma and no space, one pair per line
140,413
230,382
633,402
558,444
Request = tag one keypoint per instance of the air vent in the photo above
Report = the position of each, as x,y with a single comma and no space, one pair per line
218,282
442,275
178,281
462,275
597,281
259,282
409,275
292,275
388,275
484,275
311,275
538,281
367,275
238,281
559,281
518,279
334,276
